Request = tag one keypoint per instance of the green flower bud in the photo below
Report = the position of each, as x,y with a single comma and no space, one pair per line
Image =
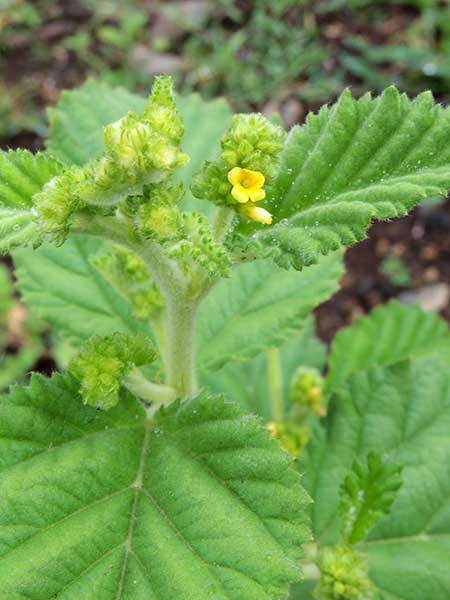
196,245
127,140
162,222
344,575
159,216
102,364
253,142
127,272
161,112
56,202
210,182
307,390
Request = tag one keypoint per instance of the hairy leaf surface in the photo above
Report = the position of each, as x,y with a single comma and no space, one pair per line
201,504
402,412
22,174
390,334
62,286
349,164
260,307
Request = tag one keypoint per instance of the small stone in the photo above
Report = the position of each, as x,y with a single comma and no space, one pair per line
430,297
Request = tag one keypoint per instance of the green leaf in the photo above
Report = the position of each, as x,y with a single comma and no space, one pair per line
64,288
403,412
76,125
200,504
354,162
259,307
390,334
22,174
366,495
248,383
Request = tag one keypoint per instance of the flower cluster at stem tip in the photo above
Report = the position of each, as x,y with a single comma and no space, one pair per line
249,159
344,575
141,151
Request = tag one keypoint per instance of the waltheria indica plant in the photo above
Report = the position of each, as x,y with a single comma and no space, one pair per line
197,446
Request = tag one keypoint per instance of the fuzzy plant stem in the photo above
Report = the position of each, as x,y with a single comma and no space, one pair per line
275,384
223,218
180,309
180,353
147,390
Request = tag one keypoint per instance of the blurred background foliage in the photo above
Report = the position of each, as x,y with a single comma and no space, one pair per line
286,55
280,56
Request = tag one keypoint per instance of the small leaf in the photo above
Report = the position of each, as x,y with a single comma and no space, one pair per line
201,503
389,334
259,307
349,164
22,174
366,495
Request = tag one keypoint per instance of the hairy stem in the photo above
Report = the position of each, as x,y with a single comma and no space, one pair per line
180,309
275,384
139,385
180,355
223,217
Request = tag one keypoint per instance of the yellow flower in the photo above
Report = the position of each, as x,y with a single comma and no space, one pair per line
247,185
247,189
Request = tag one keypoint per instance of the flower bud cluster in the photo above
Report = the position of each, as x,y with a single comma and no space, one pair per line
307,390
344,575
250,151
102,364
139,150
128,274
253,142
196,246
159,215
293,436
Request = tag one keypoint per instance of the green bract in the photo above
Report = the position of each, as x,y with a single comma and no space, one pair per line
141,474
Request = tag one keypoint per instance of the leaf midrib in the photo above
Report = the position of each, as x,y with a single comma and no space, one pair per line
138,488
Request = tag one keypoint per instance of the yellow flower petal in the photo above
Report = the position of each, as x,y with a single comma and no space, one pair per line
255,179
234,175
256,195
240,194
